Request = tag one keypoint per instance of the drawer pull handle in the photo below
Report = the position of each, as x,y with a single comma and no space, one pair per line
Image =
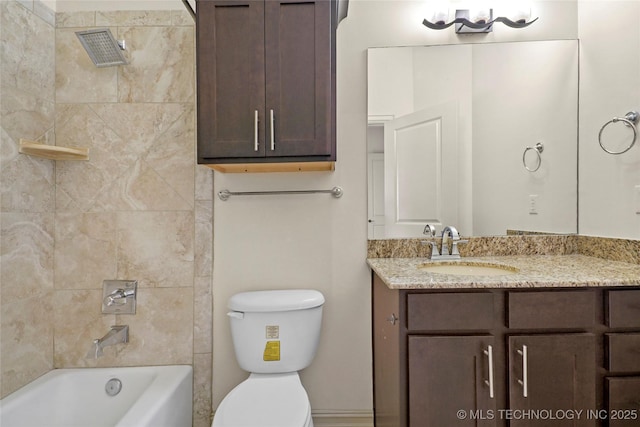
273,132
255,131
524,382
489,382
392,319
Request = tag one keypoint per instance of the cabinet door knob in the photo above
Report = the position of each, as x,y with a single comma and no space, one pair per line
525,375
392,319
489,353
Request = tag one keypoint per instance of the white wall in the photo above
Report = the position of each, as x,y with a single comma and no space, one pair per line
609,71
319,242
391,88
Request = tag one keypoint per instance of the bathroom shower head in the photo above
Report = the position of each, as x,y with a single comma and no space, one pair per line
103,49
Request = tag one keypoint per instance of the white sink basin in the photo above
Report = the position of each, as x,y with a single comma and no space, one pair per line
468,268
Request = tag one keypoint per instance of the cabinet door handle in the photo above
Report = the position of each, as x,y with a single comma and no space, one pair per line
273,132
489,382
524,382
255,131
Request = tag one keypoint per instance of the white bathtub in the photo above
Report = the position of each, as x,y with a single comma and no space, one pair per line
150,396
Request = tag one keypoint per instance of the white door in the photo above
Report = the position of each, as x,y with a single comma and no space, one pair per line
375,199
421,171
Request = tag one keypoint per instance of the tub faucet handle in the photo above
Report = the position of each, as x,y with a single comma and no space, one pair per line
119,297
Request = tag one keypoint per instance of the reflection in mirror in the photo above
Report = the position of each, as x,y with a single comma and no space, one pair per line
453,138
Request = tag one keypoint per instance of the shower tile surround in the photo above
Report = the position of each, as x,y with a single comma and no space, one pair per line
140,208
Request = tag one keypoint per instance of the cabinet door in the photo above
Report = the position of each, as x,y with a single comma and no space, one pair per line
451,374
554,373
299,68
231,79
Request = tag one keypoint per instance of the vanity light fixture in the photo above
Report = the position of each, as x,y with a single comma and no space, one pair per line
479,20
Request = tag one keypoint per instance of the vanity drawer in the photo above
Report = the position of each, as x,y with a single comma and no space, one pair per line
551,309
450,311
624,405
623,352
623,308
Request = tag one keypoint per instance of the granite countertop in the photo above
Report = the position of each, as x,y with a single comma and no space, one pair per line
533,271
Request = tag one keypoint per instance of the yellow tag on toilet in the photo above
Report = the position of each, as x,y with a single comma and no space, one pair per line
271,351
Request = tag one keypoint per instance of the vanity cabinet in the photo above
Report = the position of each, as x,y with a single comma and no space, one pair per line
493,357
266,84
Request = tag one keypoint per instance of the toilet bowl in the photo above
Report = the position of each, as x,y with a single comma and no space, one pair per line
275,334
266,400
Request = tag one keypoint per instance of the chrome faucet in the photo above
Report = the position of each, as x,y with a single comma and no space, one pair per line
448,233
116,335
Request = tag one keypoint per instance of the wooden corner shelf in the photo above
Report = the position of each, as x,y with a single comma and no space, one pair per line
52,152
273,167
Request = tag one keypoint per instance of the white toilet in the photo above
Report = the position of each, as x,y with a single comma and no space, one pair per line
275,334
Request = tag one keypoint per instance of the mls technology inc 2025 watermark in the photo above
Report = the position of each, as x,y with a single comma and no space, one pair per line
547,414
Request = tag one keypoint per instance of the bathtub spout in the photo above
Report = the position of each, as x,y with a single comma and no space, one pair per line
117,335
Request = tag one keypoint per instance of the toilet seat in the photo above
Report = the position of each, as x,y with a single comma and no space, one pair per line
266,400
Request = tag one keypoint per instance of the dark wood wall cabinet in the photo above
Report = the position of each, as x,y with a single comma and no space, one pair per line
266,84
506,357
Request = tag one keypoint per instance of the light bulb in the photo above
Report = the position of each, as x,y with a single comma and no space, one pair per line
439,15
480,15
519,15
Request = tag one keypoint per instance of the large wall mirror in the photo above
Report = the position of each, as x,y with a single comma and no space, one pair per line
480,136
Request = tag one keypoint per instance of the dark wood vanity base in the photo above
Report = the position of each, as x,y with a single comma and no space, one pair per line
506,357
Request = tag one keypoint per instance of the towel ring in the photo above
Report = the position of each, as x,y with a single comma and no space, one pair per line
630,119
538,149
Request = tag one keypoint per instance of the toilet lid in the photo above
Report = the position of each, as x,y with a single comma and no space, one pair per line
265,400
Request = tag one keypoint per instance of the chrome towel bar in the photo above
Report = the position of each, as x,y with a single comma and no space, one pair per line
225,194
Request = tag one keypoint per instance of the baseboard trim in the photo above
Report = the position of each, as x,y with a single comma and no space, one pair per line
327,418
324,418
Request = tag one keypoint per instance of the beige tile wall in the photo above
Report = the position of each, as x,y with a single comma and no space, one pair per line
140,208
27,194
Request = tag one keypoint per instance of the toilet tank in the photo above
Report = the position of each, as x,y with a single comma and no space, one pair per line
275,331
